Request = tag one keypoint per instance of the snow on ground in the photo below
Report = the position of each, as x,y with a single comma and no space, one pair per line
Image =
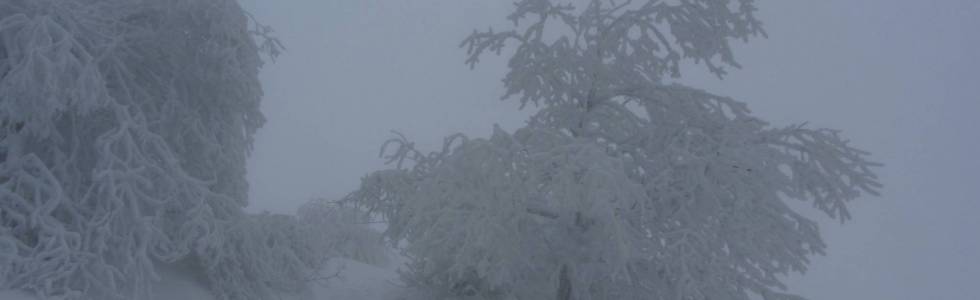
359,281
14,295
179,284
354,281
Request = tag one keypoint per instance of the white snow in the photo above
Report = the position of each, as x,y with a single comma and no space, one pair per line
358,281
355,281
15,295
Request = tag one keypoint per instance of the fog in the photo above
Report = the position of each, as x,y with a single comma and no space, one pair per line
898,77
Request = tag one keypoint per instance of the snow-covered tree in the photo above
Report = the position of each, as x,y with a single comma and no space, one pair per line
625,184
345,231
125,125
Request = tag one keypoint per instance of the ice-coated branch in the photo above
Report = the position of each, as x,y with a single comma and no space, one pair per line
623,185
125,126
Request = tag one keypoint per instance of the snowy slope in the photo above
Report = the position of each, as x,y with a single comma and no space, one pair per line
355,281
358,281
13,295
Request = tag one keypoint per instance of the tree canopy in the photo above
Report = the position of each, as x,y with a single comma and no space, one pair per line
625,184
125,126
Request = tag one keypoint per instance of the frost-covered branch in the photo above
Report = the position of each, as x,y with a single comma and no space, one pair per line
567,51
622,185
125,128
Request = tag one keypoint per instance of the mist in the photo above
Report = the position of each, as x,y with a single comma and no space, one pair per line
481,150
897,77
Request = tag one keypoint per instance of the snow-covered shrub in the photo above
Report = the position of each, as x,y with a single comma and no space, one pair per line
623,185
539,212
125,125
264,255
345,230
497,216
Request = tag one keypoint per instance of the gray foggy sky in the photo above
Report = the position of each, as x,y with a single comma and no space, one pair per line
898,77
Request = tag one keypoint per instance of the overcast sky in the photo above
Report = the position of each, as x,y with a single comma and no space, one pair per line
899,77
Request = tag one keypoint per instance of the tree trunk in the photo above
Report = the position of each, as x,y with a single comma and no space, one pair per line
564,284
